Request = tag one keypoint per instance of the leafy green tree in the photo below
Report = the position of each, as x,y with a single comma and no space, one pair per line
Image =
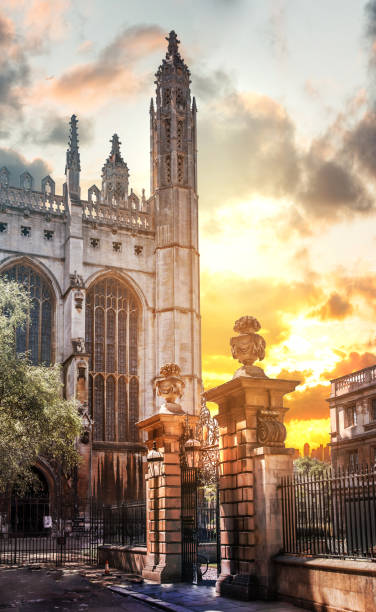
310,466
35,420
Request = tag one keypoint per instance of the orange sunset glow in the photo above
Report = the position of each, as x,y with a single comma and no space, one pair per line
286,160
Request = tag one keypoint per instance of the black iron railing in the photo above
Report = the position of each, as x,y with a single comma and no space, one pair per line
330,515
207,523
35,530
125,524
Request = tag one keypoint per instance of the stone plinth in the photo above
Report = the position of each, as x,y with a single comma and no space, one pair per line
250,415
270,465
163,495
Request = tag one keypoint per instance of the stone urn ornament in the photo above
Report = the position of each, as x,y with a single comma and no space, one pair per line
170,386
248,347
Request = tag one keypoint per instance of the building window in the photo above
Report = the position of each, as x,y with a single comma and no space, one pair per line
351,416
352,460
36,336
373,409
112,316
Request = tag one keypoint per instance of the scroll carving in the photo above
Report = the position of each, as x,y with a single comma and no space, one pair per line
270,431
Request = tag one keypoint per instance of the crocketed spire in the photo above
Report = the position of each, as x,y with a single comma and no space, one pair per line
73,155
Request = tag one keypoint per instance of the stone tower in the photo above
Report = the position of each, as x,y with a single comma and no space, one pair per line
173,161
120,278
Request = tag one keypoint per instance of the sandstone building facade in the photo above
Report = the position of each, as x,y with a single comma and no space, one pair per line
114,279
353,419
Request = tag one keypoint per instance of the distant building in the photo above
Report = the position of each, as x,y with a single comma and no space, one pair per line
306,450
353,418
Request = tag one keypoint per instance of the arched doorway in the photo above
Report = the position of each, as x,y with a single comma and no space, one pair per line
28,511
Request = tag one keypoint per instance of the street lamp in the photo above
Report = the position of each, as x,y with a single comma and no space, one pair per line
154,459
192,449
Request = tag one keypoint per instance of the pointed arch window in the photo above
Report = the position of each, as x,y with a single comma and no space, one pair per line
37,335
112,317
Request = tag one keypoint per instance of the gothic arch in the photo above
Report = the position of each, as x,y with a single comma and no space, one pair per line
112,338
39,266
122,277
39,337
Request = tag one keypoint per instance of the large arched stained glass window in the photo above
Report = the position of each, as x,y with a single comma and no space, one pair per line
112,318
36,336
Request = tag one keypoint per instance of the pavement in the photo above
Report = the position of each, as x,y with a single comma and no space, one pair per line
59,590
81,589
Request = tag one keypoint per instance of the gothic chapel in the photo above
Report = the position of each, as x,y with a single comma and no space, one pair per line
114,282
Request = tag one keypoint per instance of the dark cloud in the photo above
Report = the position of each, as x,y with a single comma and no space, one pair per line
336,307
247,147
360,144
53,129
370,11
14,75
332,189
17,164
208,85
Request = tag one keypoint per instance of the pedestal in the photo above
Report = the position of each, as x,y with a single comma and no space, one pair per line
249,411
163,495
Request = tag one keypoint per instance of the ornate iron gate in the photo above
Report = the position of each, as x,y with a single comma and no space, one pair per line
200,499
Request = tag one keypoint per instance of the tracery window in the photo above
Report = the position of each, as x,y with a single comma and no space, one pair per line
112,316
36,335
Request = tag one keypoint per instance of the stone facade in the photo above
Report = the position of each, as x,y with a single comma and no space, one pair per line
353,418
121,282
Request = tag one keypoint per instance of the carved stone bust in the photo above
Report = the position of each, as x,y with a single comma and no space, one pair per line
248,347
170,386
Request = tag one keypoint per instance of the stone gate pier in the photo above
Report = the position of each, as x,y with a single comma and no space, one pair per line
253,458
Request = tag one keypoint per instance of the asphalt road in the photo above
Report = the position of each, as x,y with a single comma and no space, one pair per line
59,590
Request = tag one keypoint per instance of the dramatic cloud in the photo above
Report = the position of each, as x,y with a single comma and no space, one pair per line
336,307
309,404
41,21
17,164
253,143
355,361
14,74
256,154
112,74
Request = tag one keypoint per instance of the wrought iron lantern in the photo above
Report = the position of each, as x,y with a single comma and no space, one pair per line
154,459
192,449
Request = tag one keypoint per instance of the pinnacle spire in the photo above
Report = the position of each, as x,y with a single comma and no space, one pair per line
173,43
73,155
115,155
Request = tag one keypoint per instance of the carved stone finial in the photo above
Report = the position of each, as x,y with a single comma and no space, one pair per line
115,155
248,347
115,175
173,43
170,386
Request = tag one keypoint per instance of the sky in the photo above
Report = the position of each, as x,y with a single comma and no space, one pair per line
286,97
